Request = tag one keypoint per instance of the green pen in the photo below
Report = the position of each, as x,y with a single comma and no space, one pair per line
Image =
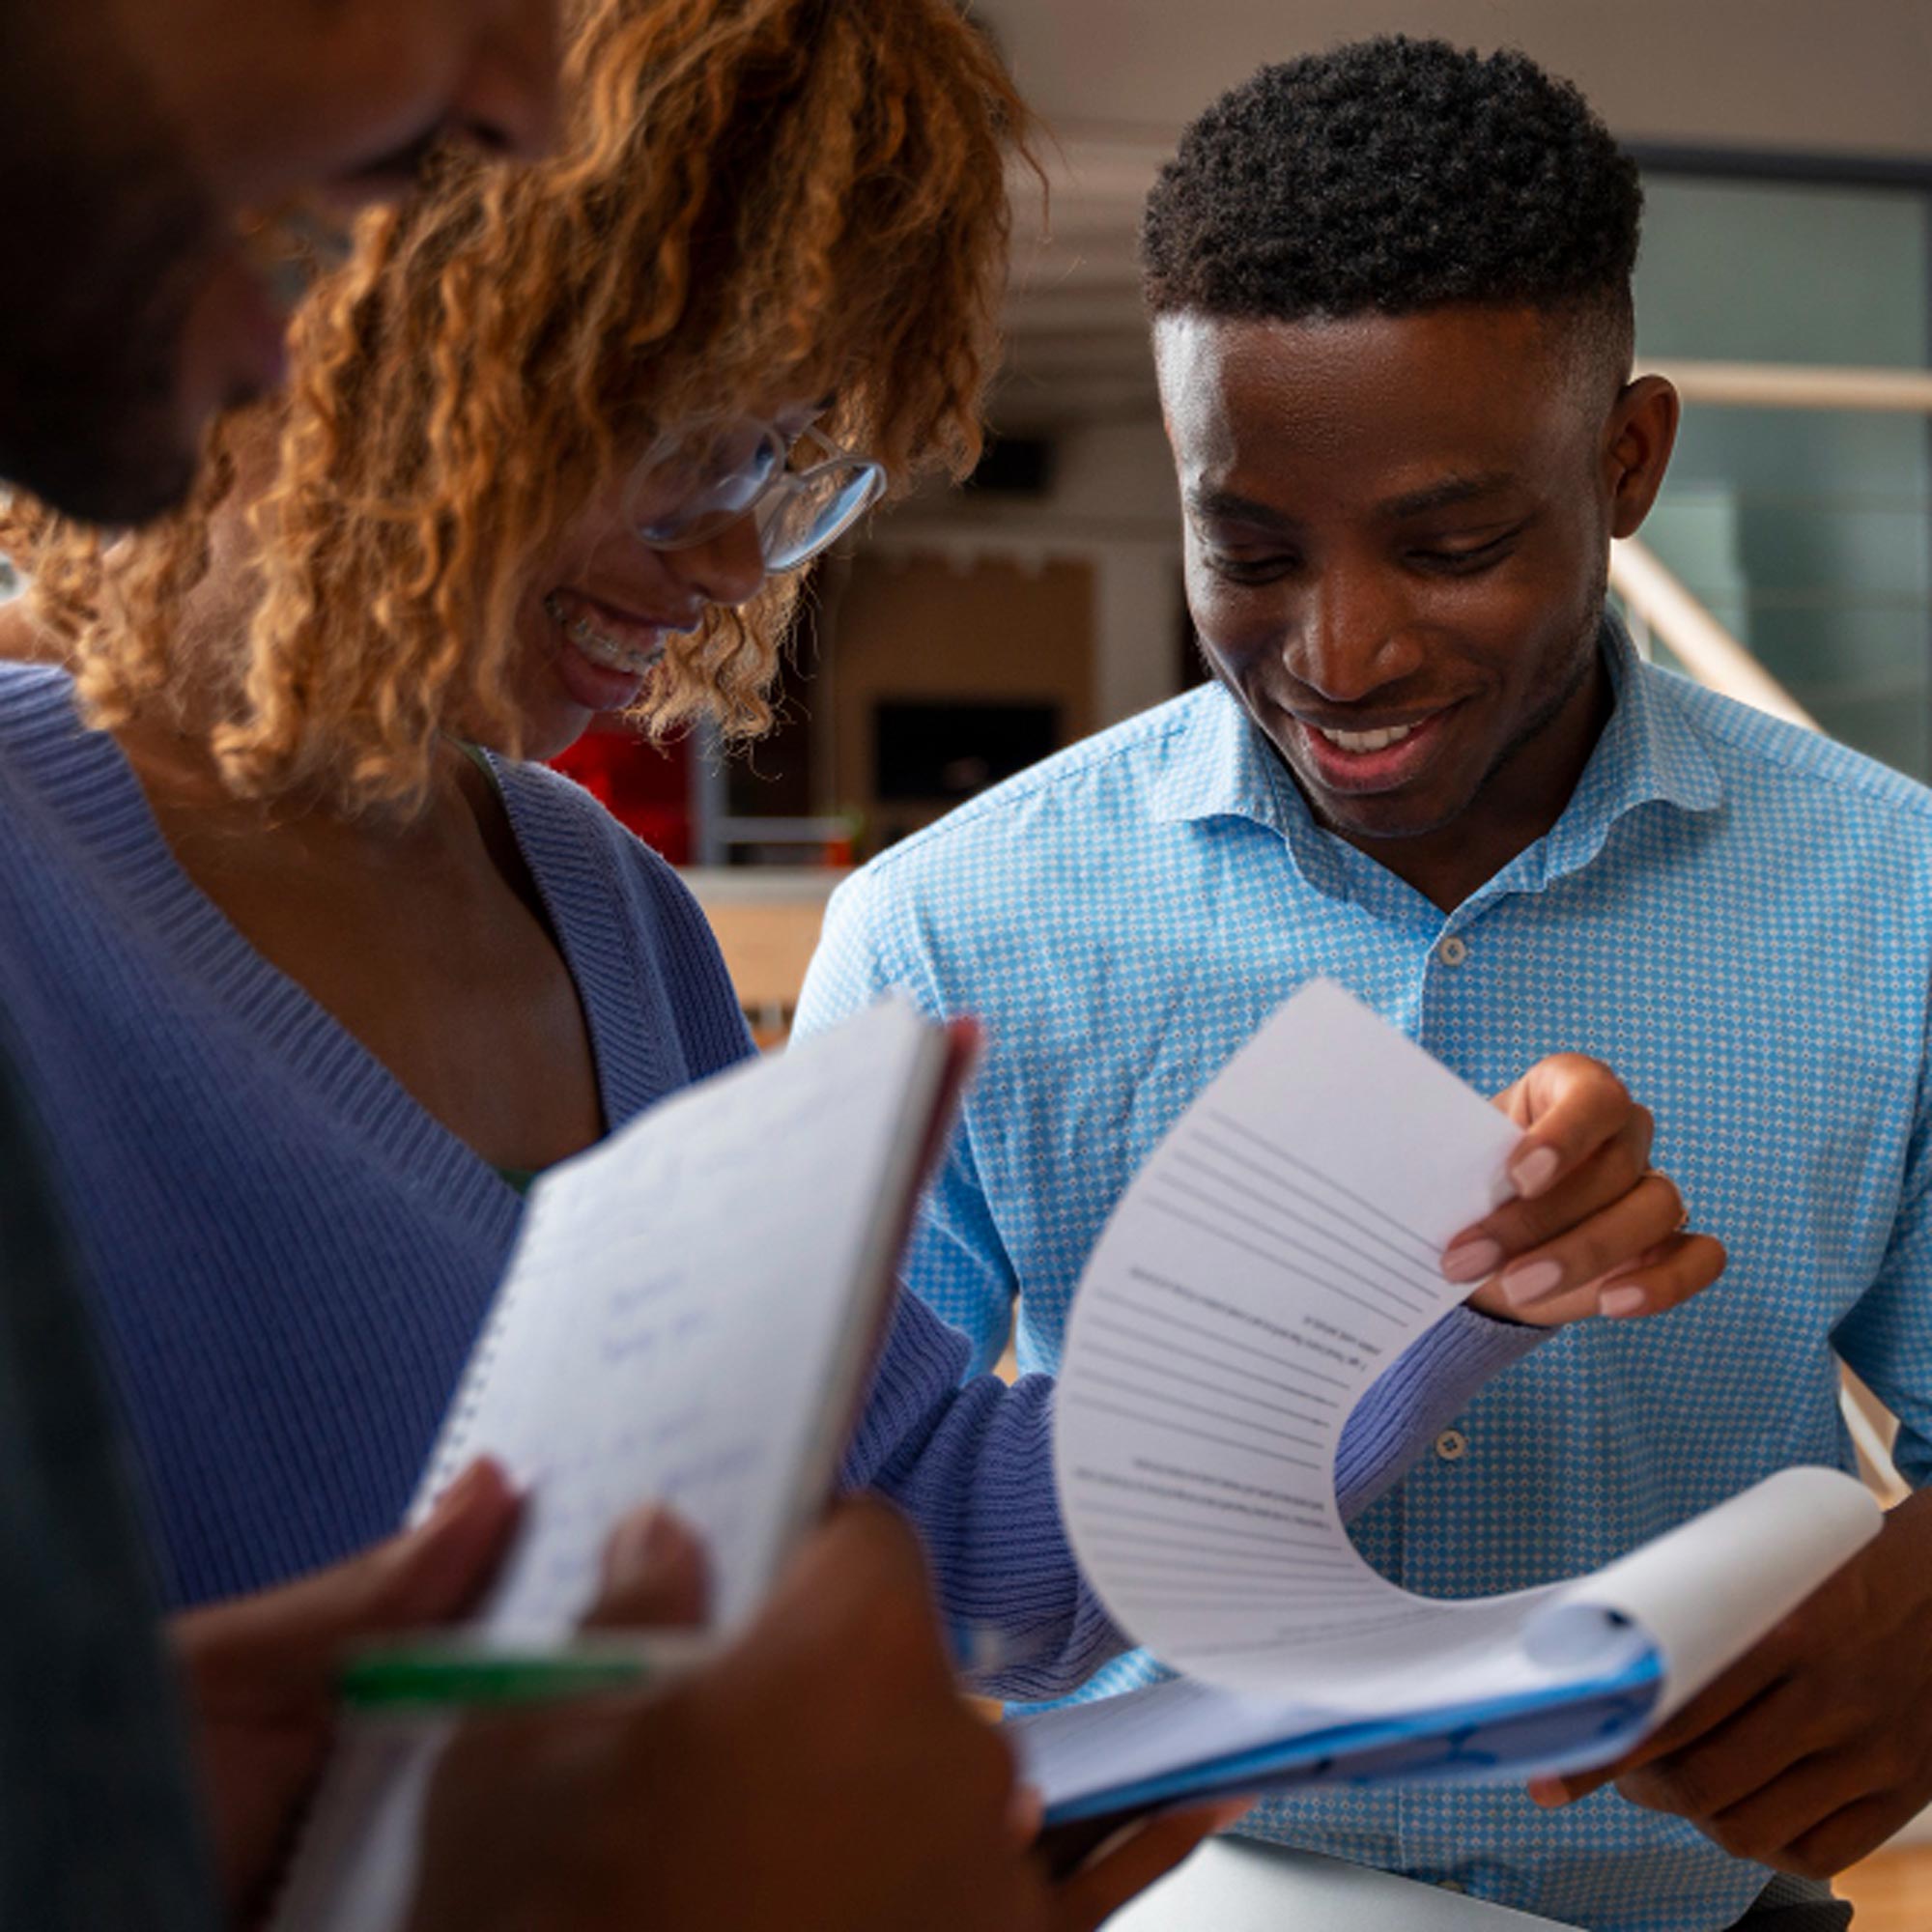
454,1674
434,1674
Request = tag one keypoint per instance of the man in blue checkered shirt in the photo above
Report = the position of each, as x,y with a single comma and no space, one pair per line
1392,322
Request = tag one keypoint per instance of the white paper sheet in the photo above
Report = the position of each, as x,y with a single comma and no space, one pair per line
685,1320
1278,1251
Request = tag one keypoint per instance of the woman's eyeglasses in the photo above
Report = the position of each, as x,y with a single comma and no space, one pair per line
803,493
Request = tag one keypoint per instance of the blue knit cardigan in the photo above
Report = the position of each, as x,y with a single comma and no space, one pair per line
290,1257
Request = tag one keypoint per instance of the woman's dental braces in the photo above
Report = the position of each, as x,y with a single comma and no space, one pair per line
594,643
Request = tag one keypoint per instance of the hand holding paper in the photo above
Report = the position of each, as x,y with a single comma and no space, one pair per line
1275,1254
1593,1229
822,1769
1815,1746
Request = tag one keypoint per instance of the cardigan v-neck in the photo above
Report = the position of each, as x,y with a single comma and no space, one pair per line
290,1255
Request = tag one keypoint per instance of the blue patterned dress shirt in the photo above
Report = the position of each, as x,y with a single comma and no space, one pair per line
1734,913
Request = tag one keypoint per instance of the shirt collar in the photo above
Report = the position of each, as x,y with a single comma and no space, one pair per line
1649,753
1222,766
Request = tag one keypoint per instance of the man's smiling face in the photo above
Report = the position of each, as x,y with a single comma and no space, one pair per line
1396,540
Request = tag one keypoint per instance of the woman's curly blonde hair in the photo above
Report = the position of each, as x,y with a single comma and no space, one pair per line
755,199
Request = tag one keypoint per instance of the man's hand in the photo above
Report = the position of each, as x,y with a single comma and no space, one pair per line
1594,1228
260,1670
824,1771
1816,1747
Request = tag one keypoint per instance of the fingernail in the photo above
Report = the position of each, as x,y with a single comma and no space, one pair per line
1531,1281
1621,1301
461,1492
640,1543
1535,1171
1472,1261
1548,1792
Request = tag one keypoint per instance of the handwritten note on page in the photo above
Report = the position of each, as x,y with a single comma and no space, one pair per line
687,1313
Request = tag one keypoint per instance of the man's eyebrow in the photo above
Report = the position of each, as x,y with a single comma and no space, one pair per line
1235,509
1446,495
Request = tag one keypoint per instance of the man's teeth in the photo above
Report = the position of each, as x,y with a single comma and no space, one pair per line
1366,741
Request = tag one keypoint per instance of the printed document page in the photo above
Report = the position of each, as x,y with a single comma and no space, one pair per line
1279,1250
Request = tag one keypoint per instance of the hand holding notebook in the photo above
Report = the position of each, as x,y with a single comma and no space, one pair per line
689,1318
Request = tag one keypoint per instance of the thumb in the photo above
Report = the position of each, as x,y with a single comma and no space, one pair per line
654,1573
426,1575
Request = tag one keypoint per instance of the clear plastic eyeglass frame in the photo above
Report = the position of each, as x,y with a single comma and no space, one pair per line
750,469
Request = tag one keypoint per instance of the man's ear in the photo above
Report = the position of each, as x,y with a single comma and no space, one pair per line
1637,441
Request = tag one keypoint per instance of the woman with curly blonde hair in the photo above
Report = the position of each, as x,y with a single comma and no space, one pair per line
782,213
313,968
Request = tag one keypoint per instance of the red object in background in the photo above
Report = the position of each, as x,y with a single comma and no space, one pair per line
644,785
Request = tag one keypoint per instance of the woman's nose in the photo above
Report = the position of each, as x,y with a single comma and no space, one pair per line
726,569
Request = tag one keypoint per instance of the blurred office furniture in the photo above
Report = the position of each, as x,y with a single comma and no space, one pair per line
1891,1891
646,786
767,923
947,675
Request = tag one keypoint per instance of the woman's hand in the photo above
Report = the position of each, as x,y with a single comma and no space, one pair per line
822,1770
259,1671
1594,1228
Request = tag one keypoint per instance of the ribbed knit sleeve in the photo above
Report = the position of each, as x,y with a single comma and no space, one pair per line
972,1464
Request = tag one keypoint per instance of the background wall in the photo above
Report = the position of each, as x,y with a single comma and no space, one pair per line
1754,74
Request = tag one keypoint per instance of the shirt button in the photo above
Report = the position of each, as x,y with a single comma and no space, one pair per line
1452,951
1452,1445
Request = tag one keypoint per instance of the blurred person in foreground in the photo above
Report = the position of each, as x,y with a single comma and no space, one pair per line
133,133
555,440
131,137
97,1827
1393,328
135,136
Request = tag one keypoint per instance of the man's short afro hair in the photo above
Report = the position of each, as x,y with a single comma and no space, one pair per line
1394,175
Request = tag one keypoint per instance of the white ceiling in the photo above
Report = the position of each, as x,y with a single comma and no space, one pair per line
1117,79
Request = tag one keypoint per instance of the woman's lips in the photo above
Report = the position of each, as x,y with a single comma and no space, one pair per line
604,653
1373,767
611,633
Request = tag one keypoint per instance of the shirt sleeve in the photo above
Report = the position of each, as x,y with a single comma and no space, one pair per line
972,1464
954,1254
1887,1336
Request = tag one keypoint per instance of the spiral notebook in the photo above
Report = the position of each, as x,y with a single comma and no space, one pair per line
689,1318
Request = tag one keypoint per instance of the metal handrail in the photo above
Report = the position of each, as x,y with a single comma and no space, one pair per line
1706,651
1796,385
